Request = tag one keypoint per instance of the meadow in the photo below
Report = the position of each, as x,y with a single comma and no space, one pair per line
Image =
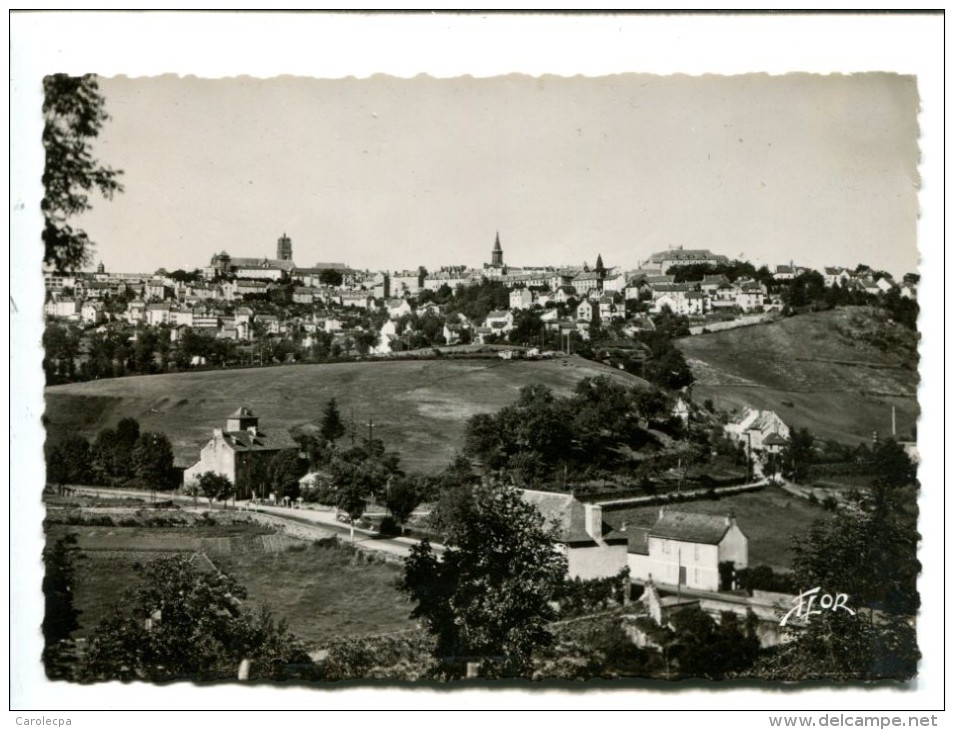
419,408
824,371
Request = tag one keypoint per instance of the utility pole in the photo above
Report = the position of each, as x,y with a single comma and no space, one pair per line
370,430
748,456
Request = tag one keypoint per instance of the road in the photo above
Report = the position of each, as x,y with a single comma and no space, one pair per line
323,520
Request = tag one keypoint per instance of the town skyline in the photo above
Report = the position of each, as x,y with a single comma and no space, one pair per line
819,171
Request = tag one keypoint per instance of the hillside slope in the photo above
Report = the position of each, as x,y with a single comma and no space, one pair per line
419,408
842,371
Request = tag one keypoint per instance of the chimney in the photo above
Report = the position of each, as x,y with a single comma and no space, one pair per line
593,515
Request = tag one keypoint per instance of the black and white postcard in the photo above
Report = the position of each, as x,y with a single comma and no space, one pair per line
527,374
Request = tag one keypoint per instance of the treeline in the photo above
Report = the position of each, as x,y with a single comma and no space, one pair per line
117,456
542,437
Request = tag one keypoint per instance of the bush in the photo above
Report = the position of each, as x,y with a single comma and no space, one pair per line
579,597
389,526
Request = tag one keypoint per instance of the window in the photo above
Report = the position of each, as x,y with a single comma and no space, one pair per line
697,551
665,547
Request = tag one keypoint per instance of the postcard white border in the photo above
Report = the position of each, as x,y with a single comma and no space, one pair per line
228,44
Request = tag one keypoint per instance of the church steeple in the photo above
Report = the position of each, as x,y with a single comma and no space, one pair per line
600,269
496,256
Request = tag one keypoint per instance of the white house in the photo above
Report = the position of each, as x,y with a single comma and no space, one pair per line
499,321
397,308
784,272
686,548
584,311
92,313
757,426
593,548
696,302
521,299
62,308
750,296
835,275
609,309
157,313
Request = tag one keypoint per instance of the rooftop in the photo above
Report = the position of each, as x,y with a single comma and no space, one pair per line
691,527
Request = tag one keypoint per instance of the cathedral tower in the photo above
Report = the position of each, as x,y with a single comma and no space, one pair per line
284,252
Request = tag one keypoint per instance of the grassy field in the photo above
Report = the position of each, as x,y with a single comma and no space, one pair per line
419,408
769,518
839,386
325,592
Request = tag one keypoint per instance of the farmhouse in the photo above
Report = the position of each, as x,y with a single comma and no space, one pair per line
234,449
686,549
593,548
754,427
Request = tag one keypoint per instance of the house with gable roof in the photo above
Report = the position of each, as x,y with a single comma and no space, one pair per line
500,321
397,308
233,450
756,425
593,549
686,549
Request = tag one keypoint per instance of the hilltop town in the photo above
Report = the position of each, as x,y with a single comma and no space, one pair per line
250,310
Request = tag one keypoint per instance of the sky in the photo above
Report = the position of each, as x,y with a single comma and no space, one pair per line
392,173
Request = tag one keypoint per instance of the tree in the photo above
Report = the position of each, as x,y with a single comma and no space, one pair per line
713,650
60,617
837,646
252,479
489,600
364,341
73,111
215,486
284,470
798,455
352,498
870,553
153,461
104,456
332,427
186,623
402,499
330,277
70,462
892,465
127,434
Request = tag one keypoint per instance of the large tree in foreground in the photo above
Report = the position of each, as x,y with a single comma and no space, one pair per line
186,623
489,598
73,114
